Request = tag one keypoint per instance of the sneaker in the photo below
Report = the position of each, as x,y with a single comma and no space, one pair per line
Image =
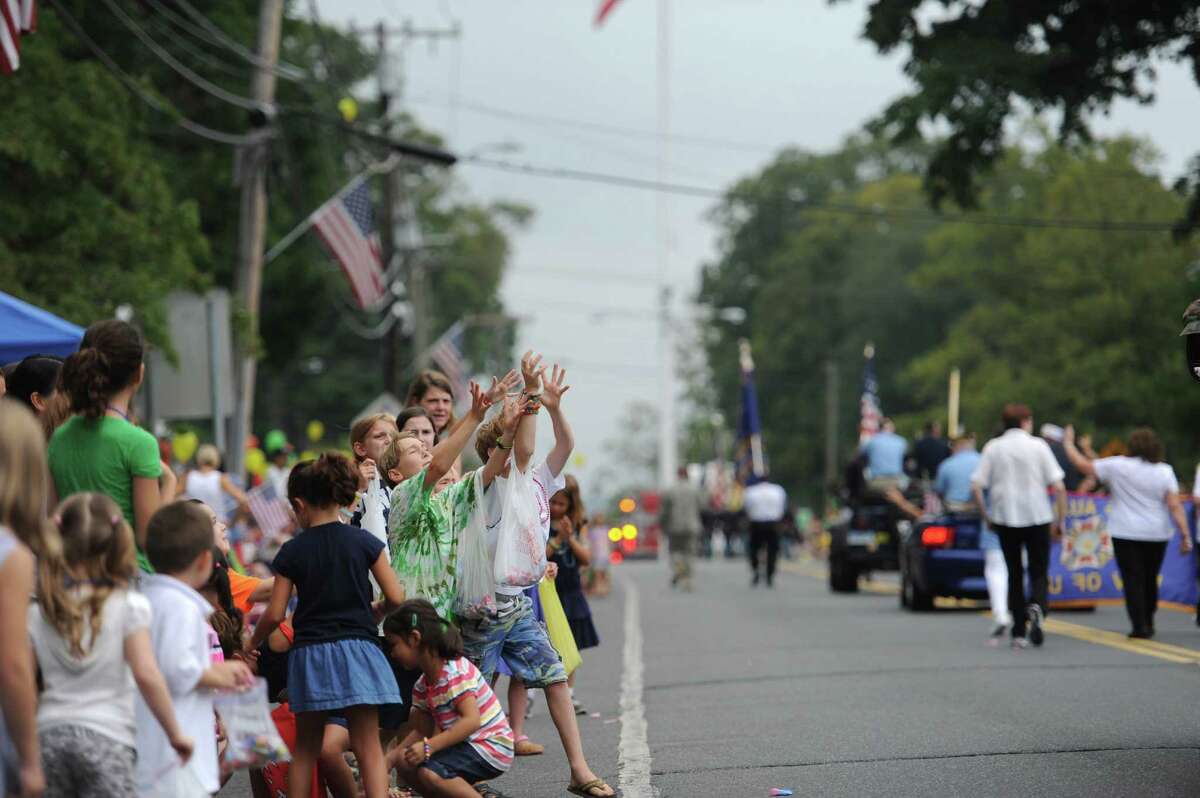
1019,644
997,635
1036,636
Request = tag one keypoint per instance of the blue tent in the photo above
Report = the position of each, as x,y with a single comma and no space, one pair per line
28,330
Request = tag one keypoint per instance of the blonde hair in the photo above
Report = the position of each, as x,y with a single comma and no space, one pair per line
391,455
362,428
98,551
24,479
208,455
577,514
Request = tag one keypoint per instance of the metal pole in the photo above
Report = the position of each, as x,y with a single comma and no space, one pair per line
952,415
215,373
666,413
831,424
252,234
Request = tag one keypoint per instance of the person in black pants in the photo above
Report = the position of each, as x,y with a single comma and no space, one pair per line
764,534
765,505
1036,541
1144,515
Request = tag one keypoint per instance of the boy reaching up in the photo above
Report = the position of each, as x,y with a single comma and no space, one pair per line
179,542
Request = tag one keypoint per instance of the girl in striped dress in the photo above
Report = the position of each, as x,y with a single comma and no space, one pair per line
460,734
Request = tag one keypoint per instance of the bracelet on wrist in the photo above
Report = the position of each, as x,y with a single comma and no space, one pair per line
428,750
500,444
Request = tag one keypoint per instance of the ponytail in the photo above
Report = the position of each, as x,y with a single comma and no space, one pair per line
109,360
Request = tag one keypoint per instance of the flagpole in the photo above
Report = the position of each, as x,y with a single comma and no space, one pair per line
307,222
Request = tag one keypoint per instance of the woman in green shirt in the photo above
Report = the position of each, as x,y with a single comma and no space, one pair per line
99,449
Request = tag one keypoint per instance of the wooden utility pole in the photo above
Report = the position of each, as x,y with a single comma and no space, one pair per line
831,426
253,160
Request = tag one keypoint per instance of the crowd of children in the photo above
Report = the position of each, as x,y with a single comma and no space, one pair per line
122,619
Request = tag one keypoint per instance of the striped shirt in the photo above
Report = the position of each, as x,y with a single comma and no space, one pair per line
493,740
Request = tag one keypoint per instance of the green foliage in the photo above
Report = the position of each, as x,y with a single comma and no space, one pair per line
975,64
1080,324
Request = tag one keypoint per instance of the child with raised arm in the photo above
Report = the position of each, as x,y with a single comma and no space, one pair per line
460,735
514,635
335,663
91,638
424,522
179,545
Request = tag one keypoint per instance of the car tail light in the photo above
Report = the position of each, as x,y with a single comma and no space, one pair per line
937,537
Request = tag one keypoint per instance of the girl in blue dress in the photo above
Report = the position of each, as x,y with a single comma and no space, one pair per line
568,549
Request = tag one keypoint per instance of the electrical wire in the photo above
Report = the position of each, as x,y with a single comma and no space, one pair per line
222,39
195,79
164,30
112,66
877,212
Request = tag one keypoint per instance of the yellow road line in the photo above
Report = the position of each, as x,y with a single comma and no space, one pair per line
1148,648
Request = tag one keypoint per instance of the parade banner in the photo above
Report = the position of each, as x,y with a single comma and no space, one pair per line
1083,568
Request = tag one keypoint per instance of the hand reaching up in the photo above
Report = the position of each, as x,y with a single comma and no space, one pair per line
554,388
531,371
500,388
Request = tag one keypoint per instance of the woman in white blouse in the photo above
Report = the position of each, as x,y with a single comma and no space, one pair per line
1145,500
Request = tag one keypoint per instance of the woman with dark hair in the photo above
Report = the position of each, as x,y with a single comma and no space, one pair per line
100,449
432,390
1145,499
34,381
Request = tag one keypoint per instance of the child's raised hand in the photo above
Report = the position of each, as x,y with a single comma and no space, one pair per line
479,402
183,746
511,415
531,371
500,388
554,388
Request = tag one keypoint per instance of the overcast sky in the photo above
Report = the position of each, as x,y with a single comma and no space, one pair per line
756,75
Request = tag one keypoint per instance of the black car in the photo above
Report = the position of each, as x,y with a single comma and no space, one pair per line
866,539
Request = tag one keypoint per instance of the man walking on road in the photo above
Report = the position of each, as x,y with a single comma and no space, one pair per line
681,506
1016,469
765,504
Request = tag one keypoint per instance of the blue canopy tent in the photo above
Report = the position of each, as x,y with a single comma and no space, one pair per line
28,330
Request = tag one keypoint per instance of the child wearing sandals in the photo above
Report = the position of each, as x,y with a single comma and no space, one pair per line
460,735
91,639
335,663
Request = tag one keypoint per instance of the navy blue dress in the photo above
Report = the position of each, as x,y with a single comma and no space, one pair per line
570,592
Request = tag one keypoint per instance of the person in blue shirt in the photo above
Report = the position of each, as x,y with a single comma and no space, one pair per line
953,484
885,455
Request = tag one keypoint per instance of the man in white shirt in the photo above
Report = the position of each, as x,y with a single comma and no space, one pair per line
1017,470
765,505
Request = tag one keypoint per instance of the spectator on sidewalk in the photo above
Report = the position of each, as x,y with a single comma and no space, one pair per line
765,505
1015,470
681,507
1145,499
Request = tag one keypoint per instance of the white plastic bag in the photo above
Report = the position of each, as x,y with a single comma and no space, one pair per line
373,521
475,595
177,781
520,546
253,740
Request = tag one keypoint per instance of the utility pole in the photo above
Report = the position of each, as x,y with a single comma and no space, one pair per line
399,226
253,227
831,425
666,400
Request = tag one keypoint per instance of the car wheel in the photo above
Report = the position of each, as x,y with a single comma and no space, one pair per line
843,578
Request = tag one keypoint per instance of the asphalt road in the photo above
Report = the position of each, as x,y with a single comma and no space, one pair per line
747,689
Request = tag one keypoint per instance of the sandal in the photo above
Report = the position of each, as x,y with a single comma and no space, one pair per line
596,788
488,791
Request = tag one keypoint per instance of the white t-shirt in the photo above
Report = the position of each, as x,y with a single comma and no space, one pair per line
765,502
1016,469
1139,497
95,691
179,633
545,485
206,487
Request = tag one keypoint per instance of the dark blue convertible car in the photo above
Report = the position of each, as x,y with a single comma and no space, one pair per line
941,557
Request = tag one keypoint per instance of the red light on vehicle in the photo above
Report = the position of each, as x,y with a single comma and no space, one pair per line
616,558
628,545
937,537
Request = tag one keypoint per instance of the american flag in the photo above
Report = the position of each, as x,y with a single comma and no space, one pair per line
447,354
603,10
16,17
345,225
871,415
270,510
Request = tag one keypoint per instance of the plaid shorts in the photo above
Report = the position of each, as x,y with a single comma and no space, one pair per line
517,637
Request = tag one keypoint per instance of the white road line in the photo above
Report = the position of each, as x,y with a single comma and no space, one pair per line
633,758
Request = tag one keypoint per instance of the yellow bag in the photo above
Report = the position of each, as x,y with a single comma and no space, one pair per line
557,626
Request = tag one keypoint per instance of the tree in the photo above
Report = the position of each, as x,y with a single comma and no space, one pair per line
975,64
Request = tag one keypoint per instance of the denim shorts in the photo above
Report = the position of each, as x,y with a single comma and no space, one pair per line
462,761
517,638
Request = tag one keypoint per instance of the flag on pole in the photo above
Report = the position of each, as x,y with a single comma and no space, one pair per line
604,9
751,458
345,223
16,17
270,510
870,413
447,354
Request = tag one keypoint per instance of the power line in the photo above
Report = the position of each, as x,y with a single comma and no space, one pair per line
113,67
192,77
223,39
876,212
596,127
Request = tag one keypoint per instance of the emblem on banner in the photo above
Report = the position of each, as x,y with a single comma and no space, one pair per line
1086,544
